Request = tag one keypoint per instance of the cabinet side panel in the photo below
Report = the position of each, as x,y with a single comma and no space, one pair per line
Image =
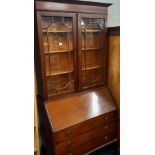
113,79
37,60
46,134
114,67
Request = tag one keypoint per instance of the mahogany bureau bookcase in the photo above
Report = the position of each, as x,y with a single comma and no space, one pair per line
76,110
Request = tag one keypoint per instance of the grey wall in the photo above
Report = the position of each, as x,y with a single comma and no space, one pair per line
113,12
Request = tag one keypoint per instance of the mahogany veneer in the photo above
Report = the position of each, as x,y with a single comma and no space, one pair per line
77,113
82,122
78,108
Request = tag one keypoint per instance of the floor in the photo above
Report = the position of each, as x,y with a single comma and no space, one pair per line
108,150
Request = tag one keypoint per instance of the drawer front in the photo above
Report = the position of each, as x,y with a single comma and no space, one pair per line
93,144
84,127
107,129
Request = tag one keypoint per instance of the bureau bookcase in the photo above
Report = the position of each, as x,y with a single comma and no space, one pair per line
71,70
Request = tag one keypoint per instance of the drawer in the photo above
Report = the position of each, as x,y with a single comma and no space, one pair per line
107,129
82,149
84,127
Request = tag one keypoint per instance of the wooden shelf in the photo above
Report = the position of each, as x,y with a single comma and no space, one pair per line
91,31
67,72
62,51
90,68
55,31
59,72
90,49
69,91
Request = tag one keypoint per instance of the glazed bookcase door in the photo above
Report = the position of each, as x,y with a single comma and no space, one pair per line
58,52
92,50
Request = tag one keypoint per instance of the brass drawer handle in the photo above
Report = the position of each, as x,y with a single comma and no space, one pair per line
69,143
69,133
106,127
70,153
106,138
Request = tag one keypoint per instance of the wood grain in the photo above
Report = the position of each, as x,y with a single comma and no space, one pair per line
79,108
90,2
94,55
85,127
53,6
50,64
86,137
114,67
81,122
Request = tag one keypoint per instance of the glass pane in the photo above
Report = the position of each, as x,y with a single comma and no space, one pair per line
58,50
92,31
